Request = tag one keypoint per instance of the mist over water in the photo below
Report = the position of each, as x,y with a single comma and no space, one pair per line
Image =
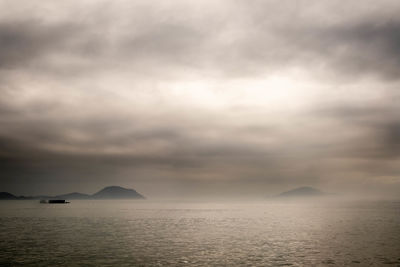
146,233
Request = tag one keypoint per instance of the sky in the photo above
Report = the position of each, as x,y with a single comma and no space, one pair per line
200,98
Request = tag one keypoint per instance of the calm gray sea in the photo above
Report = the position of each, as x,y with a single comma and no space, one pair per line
145,233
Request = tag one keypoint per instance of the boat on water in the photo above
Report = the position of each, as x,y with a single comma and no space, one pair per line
54,201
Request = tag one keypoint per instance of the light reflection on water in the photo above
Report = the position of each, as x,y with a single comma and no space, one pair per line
126,233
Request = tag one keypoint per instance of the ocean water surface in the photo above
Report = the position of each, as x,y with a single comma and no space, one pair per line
146,233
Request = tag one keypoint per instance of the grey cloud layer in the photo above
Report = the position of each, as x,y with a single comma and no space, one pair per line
236,39
88,94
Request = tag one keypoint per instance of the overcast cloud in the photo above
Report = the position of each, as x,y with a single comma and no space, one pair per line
200,98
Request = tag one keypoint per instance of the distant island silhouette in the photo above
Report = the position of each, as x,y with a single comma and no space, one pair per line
109,192
6,195
113,192
304,191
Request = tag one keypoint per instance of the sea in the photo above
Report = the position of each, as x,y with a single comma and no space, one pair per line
200,233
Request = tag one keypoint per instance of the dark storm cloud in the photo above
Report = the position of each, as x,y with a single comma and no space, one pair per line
358,48
253,43
366,47
393,136
377,127
377,47
21,42
369,45
25,160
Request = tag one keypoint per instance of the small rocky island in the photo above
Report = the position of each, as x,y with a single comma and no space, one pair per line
117,192
302,192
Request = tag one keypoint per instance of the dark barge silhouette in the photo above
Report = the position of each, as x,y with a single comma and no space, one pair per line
54,201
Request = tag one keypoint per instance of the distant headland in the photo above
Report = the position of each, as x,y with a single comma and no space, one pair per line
304,191
109,192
